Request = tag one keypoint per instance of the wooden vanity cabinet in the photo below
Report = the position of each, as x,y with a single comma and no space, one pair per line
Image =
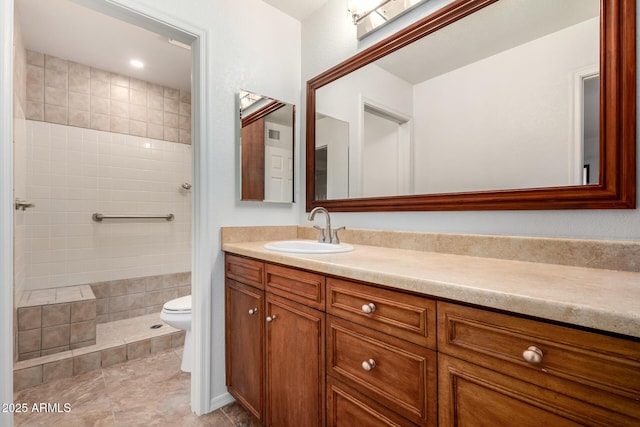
275,354
498,369
308,350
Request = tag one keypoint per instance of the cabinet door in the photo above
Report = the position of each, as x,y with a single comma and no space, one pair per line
472,396
245,342
295,364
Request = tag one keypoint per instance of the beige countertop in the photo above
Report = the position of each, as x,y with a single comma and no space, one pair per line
607,300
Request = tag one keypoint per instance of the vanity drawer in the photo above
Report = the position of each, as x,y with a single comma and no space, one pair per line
346,408
573,361
297,285
406,316
398,374
243,270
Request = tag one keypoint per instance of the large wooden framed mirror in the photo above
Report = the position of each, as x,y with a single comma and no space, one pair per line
482,105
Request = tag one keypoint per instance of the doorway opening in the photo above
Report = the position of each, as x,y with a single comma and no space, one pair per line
386,141
149,20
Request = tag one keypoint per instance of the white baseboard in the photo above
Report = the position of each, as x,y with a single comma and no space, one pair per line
220,401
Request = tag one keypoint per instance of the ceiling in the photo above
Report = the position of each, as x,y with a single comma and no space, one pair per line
299,9
496,28
70,31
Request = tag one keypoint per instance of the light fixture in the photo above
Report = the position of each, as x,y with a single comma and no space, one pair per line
247,99
360,9
136,63
369,15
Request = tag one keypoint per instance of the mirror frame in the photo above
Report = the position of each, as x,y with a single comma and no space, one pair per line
616,188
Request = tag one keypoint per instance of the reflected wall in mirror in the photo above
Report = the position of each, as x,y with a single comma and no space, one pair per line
266,148
484,104
332,158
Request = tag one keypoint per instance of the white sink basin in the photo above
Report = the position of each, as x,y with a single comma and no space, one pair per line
307,247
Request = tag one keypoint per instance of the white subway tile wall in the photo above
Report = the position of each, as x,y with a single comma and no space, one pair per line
65,92
75,172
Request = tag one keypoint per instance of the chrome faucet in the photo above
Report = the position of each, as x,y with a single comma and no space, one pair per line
327,234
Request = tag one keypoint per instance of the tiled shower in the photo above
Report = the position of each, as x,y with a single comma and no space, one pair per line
89,141
74,173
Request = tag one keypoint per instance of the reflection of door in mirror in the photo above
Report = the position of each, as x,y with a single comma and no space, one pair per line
332,151
386,153
278,171
266,146
591,129
321,173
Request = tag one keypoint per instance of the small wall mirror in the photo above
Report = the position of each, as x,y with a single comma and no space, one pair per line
266,148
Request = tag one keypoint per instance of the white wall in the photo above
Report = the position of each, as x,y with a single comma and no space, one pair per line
479,127
380,157
370,84
255,47
328,37
334,135
75,172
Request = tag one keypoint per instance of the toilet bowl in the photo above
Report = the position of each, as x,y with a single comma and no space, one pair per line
177,313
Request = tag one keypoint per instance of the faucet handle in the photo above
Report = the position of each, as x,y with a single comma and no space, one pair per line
321,237
336,240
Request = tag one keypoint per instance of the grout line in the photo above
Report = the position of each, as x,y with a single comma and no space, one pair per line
231,423
108,396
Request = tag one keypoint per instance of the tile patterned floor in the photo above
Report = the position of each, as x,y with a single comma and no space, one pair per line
152,391
115,342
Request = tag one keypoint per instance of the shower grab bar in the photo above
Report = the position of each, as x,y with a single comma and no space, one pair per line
99,217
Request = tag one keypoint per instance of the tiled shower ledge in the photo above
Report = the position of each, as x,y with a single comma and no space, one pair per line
116,342
56,296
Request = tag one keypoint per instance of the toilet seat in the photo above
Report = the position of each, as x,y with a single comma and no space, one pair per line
178,305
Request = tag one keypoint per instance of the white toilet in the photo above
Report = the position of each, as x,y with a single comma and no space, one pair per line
177,313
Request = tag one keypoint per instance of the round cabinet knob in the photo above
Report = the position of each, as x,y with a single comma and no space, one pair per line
369,308
271,318
253,310
368,365
533,355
